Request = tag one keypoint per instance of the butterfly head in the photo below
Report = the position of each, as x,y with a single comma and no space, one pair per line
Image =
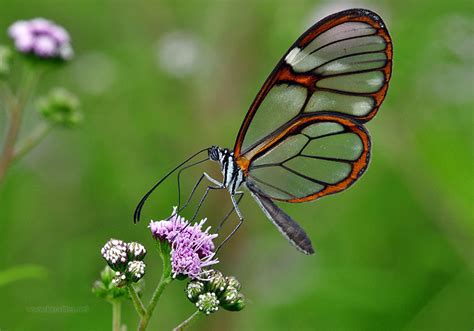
218,154
214,153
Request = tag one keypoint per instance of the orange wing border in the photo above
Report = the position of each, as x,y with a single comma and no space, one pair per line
283,72
358,166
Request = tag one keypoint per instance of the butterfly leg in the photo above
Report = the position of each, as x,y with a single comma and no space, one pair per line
180,209
240,194
217,186
190,195
239,214
179,182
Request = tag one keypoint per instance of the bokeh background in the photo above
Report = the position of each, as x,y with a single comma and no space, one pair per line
159,80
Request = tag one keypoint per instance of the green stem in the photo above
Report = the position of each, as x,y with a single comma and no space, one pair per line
190,320
31,141
116,312
16,110
140,308
164,281
7,95
17,105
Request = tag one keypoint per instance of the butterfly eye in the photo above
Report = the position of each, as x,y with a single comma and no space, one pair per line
213,153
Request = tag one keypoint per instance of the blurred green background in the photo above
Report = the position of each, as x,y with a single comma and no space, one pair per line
159,80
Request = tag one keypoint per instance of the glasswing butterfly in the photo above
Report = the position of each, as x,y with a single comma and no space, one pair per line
303,137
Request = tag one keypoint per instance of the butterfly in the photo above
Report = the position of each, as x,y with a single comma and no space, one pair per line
303,137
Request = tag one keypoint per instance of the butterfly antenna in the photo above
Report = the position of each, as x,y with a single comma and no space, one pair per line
138,209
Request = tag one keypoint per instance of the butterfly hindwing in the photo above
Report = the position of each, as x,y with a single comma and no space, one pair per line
314,156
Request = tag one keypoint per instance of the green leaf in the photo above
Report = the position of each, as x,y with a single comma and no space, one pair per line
22,272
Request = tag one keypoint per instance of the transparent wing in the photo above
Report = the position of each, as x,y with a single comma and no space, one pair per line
315,156
340,66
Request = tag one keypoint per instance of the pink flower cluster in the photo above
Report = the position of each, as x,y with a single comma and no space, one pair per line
42,38
192,249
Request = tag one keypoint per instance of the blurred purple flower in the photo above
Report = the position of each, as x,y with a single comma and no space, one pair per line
192,249
42,38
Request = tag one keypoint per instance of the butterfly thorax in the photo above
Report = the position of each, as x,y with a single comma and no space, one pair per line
232,175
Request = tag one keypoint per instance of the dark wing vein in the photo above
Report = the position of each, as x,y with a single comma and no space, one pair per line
344,39
273,186
317,181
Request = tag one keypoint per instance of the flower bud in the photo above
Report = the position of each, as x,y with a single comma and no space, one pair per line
194,289
230,296
60,107
135,270
216,283
237,305
208,303
120,279
233,282
136,251
105,287
115,253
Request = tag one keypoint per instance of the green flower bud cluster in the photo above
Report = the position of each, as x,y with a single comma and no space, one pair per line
60,107
214,292
105,287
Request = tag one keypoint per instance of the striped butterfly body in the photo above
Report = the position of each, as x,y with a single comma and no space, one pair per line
304,137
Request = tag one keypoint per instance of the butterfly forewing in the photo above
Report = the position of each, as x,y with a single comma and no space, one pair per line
342,64
303,138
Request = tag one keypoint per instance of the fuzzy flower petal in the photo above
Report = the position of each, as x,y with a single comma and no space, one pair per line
192,247
45,46
19,29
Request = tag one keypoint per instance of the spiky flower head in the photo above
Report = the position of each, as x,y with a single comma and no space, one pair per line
42,38
115,253
194,289
236,305
191,246
135,270
225,289
208,303
233,282
136,251
230,296
216,282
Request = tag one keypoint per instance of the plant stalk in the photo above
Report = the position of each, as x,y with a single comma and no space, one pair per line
165,279
23,147
16,105
139,307
116,312
6,157
190,320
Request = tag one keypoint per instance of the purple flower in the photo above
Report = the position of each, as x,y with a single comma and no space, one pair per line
42,38
192,249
